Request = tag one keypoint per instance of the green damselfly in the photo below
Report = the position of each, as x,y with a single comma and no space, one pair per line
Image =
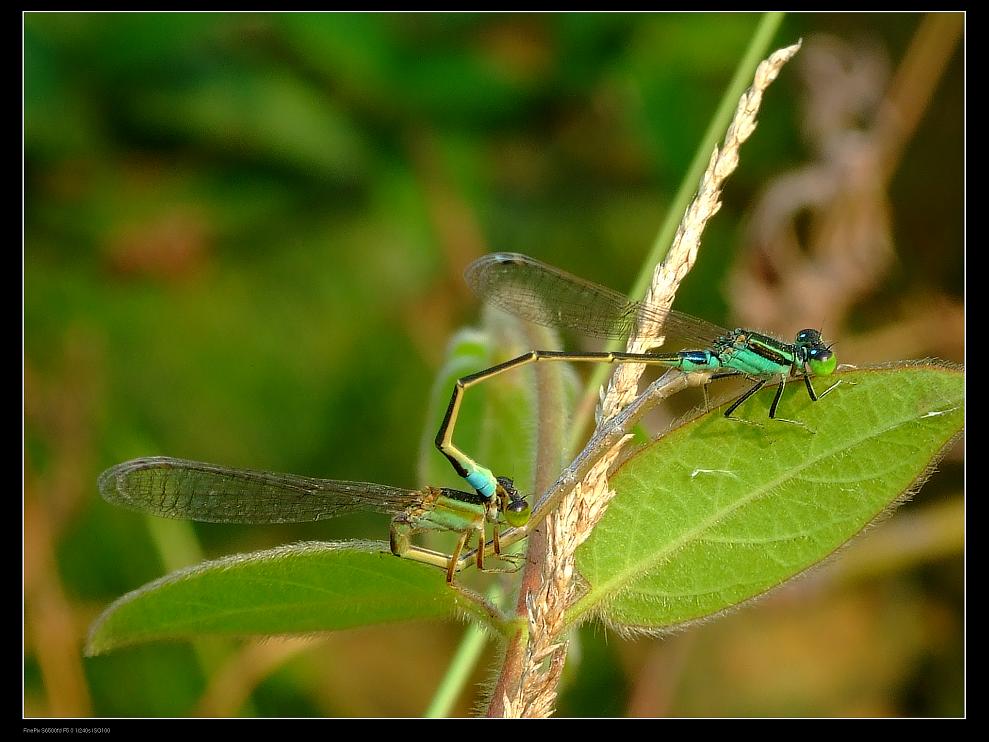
192,490
548,296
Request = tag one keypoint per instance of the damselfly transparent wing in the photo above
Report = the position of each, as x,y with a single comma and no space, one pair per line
548,296
176,488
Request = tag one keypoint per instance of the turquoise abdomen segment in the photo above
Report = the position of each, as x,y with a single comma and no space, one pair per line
692,361
481,479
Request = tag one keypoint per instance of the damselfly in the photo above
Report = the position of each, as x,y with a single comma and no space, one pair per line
176,488
548,296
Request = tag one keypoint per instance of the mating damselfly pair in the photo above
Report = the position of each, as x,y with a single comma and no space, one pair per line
535,292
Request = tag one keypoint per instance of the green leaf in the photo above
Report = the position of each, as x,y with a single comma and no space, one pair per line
297,589
717,512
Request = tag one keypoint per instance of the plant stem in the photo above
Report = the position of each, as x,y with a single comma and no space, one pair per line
461,666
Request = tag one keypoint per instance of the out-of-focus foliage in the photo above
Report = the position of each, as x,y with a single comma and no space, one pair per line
243,243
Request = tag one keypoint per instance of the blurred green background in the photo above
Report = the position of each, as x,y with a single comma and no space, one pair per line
244,239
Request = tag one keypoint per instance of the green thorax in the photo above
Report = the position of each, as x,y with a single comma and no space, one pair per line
450,510
754,353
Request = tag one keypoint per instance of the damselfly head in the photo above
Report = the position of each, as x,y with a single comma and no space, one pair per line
513,505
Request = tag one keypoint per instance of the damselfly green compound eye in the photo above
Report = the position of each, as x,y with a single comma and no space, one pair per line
515,509
822,361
